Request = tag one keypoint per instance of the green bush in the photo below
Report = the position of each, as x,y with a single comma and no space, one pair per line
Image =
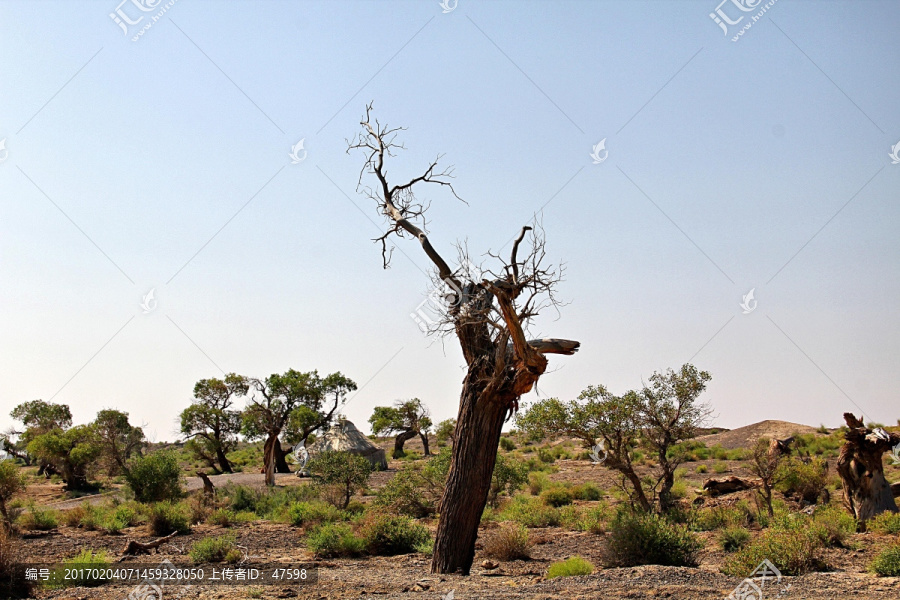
510,542
650,539
154,477
166,517
887,562
509,475
340,475
387,535
556,497
507,444
733,538
577,518
720,467
334,540
887,523
537,481
530,512
793,551
416,490
702,469
707,519
833,525
39,519
225,517
307,513
587,491
804,480
81,570
215,550
570,567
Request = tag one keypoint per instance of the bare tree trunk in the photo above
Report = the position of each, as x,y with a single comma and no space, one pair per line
224,465
478,429
269,457
400,441
281,465
860,465
424,436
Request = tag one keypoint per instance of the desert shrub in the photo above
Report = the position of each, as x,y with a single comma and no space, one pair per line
570,567
214,550
720,467
887,562
707,519
530,512
340,475
702,469
415,491
11,483
887,523
73,516
507,444
833,525
804,480
509,542
593,519
587,491
545,456
223,517
307,513
426,547
154,477
537,481
509,475
556,497
387,535
334,540
649,539
242,497
86,569
39,519
166,517
793,551
733,538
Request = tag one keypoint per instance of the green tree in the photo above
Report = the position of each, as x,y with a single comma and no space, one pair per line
662,414
155,477
210,423
11,483
71,452
444,431
118,439
37,417
341,473
269,412
407,418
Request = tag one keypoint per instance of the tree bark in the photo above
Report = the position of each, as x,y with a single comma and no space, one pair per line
861,468
400,441
424,436
224,465
479,424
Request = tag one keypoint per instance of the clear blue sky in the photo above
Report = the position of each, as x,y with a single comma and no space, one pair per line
758,164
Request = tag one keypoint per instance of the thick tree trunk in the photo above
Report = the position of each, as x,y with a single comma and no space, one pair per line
480,420
224,465
281,465
400,441
269,457
860,465
424,436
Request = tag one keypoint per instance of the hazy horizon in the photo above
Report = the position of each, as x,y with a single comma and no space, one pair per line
166,164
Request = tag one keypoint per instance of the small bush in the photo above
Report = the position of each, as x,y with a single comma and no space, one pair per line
570,567
793,551
887,562
154,477
702,469
733,538
708,519
83,574
39,519
509,475
507,444
649,539
806,481
215,550
334,540
307,513
593,519
510,542
530,512
887,523
720,467
833,525
556,497
340,475
166,517
537,481
587,491
12,585
73,516
387,535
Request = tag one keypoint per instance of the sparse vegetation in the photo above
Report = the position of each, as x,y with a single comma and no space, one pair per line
637,538
509,542
570,567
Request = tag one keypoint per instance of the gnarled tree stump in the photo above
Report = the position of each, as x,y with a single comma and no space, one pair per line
860,465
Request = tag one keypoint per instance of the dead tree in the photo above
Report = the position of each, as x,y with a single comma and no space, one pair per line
136,547
488,311
860,465
209,490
